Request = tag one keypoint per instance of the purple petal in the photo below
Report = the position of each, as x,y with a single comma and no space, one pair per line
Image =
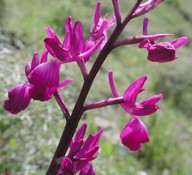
51,34
89,52
80,133
134,134
133,90
87,170
145,25
101,29
147,107
97,14
27,69
112,85
75,148
77,42
88,156
69,33
161,52
19,98
114,91
146,7
65,83
45,80
66,167
44,57
35,61
56,49
90,142
179,42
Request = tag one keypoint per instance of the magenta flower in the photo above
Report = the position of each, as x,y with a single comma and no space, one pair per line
80,154
19,98
134,134
146,7
100,25
164,51
73,47
161,52
43,77
146,107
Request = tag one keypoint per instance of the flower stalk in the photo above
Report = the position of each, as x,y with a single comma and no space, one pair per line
78,110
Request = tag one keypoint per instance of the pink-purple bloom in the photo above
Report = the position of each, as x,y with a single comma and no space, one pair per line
135,132
146,107
43,81
161,52
80,154
100,25
146,7
19,98
164,51
73,47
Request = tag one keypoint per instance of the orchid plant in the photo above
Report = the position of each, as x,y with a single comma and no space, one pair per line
74,154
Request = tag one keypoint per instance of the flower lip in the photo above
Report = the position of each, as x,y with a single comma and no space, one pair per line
134,134
19,98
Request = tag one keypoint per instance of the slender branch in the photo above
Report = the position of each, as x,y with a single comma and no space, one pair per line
117,11
130,14
61,104
78,110
104,103
138,39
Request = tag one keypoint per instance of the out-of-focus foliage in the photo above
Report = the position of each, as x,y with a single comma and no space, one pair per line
28,140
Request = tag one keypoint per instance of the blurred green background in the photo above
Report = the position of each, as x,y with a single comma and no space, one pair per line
28,140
